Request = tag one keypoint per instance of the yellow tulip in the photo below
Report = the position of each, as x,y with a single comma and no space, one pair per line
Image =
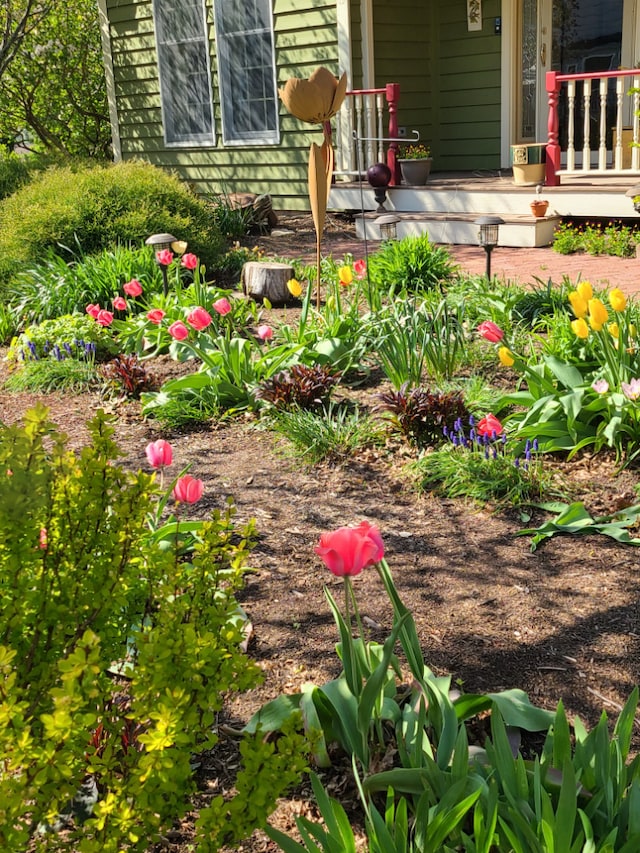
617,299
580,328
506,357
294,287
317,99
614,330
598,314
585,290
345,274
632,330
578,304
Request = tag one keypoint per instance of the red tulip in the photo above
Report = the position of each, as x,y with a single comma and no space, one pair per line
178,330
120,303
159,453
189,261
188,490
489,426
491,332
155,315
164,257
222,306
265,333
92,310
360,268
199,319
348,550
132,288
104,317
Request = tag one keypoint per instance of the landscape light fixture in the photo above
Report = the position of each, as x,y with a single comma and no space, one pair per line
488,237
388,225
159,242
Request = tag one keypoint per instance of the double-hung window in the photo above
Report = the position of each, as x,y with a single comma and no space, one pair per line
246,71
185,73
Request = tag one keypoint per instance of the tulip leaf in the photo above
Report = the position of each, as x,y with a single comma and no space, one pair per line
272,716
574,518
514,706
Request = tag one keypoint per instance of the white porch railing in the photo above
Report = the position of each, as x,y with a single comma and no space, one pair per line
366,118
593,123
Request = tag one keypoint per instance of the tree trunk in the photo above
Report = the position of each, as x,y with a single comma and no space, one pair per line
262,280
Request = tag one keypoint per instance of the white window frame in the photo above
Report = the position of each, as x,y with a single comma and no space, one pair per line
230,135
167,83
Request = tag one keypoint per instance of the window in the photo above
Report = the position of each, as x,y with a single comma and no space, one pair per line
185,76
246,67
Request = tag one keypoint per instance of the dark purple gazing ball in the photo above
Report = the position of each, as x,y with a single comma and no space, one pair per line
379,175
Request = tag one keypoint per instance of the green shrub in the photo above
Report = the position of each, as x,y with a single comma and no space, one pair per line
74,330
98,207
14,172
91,593
411,264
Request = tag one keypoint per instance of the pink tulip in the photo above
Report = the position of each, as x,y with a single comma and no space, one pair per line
178,330
159,453
155,315
43,539
222,306
164,257
348,550
132,288
188,490
360,268
189,261
490,426
199,319
491,332
265,333
92,310
120,303
105,318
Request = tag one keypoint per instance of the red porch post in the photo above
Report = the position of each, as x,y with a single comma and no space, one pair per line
553,143
392,93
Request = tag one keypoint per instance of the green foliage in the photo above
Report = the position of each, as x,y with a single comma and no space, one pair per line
538,304
331,432
235,258
14,172
89,592
73,330
301,386
413,338
233,221
52,375
420,415
60,284
574,519
595,239
97,207
410,265
53,90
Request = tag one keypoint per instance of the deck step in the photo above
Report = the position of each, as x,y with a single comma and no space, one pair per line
519,230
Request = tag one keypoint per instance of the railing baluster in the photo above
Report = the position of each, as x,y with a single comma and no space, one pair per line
359,132
602,146
380,132
571,137
586,146
617,150
635,101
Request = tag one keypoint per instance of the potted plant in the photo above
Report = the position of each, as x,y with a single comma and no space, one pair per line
415,164
539,205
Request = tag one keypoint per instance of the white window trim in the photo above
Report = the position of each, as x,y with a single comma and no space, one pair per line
198,140
271,138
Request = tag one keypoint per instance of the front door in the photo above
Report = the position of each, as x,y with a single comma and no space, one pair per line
569,36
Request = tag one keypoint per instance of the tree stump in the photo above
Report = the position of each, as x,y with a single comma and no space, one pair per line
261,280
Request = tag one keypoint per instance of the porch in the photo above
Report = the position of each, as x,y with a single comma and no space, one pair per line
590,166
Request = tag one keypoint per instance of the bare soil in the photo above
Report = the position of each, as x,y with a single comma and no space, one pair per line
561,623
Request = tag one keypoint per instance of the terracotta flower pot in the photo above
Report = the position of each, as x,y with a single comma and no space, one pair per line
539,208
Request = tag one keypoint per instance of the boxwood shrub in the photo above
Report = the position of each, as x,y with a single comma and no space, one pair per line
95,207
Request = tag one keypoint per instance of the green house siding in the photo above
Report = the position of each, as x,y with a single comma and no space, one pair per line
449,78
303,41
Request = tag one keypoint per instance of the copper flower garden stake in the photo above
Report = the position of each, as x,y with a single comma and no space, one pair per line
316,101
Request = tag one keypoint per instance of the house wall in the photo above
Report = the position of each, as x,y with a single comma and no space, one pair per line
449,77
303,41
